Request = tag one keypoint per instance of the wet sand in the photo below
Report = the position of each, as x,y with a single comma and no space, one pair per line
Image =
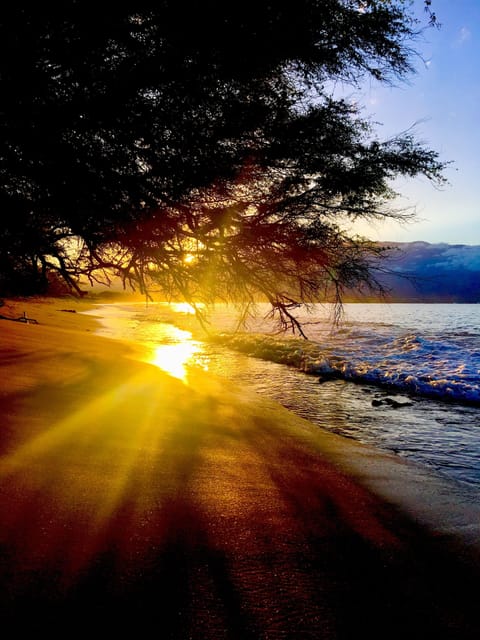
133,501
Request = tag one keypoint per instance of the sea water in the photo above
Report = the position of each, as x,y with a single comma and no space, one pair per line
401,377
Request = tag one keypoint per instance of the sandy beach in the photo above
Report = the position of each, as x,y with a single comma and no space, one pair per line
131,500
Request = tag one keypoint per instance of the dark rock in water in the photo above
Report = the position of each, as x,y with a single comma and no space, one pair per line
327,375
395,404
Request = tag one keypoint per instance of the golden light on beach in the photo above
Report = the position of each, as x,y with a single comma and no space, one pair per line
173,358
176,351
51,465
124,486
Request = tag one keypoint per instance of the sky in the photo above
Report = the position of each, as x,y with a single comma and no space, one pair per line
443,97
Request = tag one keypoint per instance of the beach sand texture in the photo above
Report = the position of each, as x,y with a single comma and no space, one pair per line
134,501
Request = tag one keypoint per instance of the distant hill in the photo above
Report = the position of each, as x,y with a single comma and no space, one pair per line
423,272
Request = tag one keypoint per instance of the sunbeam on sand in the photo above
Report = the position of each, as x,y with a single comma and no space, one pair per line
129,499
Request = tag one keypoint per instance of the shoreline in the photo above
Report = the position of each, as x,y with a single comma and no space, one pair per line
444,505
438,504
104,454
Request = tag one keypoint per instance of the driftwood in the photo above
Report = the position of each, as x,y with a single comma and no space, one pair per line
20,319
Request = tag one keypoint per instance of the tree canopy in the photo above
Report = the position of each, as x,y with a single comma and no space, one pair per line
198,149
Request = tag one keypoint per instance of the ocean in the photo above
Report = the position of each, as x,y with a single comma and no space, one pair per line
404,378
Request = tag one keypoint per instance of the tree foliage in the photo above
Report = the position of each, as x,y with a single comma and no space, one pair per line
198,148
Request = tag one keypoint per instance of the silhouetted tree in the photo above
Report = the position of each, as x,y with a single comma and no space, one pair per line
198,148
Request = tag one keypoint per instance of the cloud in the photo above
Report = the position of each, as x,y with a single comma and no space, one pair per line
464,35
459,257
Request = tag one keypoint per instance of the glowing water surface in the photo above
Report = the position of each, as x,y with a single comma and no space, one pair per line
176,351
167,347
444,437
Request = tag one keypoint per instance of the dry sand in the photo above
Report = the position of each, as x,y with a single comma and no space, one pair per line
131,501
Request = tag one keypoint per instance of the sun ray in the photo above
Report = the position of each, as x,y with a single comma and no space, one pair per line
118,431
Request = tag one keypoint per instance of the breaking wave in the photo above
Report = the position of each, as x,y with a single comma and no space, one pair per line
408,363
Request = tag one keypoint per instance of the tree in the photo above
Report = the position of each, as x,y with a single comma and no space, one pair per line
198,148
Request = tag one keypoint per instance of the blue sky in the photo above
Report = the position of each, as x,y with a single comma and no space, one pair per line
444,98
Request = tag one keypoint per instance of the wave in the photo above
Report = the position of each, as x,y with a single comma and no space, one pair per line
409,364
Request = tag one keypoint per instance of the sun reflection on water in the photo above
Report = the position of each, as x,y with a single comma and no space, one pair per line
176,353
184,307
